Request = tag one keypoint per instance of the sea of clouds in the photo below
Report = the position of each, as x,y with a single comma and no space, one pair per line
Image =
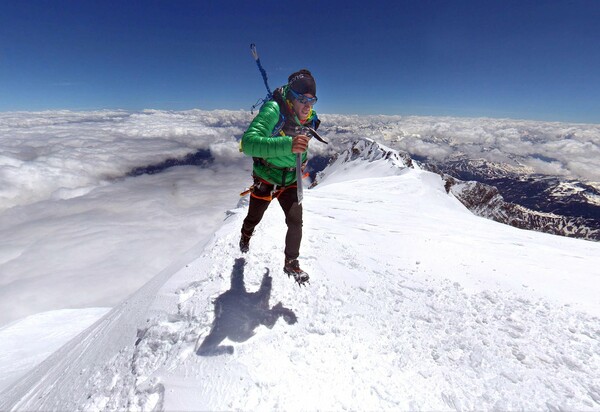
65,154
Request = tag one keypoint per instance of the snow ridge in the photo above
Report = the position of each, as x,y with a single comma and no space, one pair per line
364,157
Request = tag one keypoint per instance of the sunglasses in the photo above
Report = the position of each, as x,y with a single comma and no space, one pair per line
302,98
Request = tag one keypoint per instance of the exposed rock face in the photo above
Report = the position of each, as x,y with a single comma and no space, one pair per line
486,201
531,201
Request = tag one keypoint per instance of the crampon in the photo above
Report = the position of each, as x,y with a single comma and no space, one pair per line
292,268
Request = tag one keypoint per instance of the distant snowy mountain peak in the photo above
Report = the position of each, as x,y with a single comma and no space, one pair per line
370,150
593,199
362,158
488,168
574,190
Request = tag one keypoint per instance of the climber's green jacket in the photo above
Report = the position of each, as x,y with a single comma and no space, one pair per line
273,157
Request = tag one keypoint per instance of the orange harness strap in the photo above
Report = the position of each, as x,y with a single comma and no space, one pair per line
274,193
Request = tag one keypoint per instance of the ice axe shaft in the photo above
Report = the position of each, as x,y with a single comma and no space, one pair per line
310,132
299,177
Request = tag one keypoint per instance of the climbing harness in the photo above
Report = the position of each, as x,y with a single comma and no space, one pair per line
261,189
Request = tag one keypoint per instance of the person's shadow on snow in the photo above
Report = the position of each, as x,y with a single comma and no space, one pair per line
238,313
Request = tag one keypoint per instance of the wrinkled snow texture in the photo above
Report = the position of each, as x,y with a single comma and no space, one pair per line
27,342
414,304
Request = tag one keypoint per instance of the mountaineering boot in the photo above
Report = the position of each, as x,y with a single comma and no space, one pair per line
292,268
244,243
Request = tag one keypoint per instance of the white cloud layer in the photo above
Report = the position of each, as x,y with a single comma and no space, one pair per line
52,153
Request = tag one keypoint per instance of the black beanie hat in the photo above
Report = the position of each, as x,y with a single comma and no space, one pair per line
302,82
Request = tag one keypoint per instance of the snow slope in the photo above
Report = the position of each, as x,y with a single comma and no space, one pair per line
27,342
414,303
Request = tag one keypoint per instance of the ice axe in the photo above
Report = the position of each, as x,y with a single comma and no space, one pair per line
310,132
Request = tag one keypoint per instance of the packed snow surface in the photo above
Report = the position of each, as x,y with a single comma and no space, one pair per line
414,303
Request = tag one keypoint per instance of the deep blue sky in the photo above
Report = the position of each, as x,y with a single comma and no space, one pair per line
517,59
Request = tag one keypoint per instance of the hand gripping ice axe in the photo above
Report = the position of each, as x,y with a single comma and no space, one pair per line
310,132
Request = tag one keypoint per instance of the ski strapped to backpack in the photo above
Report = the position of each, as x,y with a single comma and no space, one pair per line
264,76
